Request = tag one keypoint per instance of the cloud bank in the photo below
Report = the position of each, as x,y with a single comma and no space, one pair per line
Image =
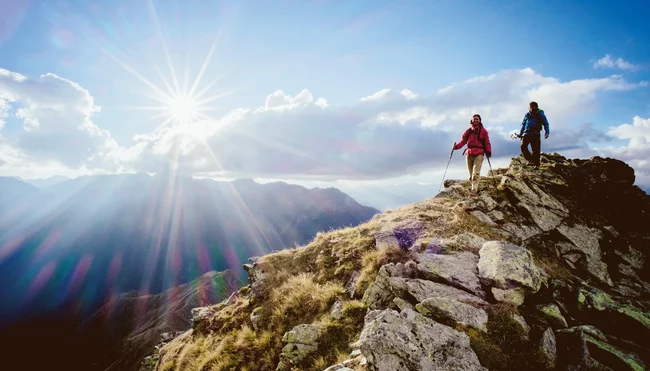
388,133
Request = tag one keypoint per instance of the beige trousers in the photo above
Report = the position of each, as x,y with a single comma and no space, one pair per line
474,167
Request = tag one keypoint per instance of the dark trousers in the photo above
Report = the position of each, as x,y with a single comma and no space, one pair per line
535,142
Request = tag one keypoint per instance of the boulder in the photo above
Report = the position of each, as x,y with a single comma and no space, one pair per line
505,266
586,241
409,341
301,341
452,313
201,315
379,293
548,349
458,270
419,290
515,296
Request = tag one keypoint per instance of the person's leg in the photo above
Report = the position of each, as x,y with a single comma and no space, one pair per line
469,160
476,176
525,141
535,144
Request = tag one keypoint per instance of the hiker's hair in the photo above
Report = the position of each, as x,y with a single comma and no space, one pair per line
533,104
479,117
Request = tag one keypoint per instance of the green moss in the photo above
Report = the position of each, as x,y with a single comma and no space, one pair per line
635,315
618,359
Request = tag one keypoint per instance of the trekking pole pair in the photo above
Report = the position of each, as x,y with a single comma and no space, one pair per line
448,162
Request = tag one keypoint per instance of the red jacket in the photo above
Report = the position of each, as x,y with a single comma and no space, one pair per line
473,138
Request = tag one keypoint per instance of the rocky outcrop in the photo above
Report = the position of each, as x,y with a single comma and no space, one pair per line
393,341
546,271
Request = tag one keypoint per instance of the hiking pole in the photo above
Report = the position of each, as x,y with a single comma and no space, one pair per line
448,162
492,171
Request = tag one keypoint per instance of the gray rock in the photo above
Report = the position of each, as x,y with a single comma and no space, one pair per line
547,200
421,290
301,341
633,257
201,314
452,312
255,317
351,285
408,341
542,217
524,326
505,266
386,240
522,232
496,215
548,349
403,304
458,270
514,296
379,293
587,242
488,202
483,218
551,315
337,310
256,277
338,368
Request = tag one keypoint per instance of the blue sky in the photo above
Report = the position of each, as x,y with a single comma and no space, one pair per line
338,50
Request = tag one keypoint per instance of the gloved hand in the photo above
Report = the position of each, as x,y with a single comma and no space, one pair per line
488,154
454,146
545,135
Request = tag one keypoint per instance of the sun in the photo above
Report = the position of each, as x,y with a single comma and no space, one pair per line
183,109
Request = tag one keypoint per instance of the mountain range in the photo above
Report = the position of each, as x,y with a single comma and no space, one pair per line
69,249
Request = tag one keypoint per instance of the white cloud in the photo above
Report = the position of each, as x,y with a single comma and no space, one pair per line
57,126
389,133
608,62
386,134
637,152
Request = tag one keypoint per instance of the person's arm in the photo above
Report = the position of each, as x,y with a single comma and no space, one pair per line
462,142
523,125
488,145
546,126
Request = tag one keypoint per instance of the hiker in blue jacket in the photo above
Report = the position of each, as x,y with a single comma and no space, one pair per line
530,133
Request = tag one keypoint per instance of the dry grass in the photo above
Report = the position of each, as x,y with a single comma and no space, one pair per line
230,343
465,222
300,300
375,259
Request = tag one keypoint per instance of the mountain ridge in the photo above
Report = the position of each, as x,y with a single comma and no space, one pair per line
542,270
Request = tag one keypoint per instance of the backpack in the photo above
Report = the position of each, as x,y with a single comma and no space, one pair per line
539,121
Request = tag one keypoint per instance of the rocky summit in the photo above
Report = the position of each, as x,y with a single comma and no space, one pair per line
543,269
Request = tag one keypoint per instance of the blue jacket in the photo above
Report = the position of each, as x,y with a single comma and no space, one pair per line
531,126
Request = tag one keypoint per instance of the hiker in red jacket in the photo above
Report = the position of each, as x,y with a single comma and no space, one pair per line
478,145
